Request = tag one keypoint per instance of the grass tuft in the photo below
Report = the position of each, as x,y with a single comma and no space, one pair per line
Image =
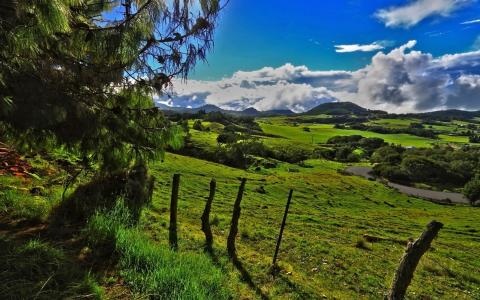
151,269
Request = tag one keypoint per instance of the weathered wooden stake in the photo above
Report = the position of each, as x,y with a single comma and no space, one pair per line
234,225
409,261
279,240
173,212
206,216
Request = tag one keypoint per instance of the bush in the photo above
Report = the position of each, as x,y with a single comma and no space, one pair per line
423,169
239,154
197,125
343,153
291,154
387,154
370,144
353,157
471,190
392,173
227,137
325,153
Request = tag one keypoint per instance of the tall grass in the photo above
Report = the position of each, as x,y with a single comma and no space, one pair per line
151,269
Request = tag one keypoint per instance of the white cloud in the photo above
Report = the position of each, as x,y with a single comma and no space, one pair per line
375,46
402,80
471,22
414,12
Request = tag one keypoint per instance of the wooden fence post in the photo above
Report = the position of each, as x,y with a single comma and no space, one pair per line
173,212
279,240
206,216
409,261
234,225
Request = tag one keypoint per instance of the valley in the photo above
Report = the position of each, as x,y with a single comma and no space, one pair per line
324,251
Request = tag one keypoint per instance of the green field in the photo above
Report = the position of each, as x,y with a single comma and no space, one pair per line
330,212
323,254
321,133
394,123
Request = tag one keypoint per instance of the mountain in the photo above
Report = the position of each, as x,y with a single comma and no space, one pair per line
251,112
338,108
207,108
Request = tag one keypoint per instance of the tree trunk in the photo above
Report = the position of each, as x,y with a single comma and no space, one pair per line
206,216
410,259
234,225
173,212
279,240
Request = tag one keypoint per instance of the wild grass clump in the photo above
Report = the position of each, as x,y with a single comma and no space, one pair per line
151,269
37,270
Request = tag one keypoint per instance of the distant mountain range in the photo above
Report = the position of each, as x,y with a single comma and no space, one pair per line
252,112
331,108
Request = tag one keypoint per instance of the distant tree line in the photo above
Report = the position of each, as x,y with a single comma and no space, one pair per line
416,129
439,166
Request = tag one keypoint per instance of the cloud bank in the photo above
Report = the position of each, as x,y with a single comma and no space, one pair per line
414,12
402,80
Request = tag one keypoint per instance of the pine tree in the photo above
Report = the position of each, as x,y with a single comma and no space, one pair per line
80,74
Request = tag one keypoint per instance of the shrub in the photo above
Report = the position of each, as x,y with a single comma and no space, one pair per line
197,125
392,173
387,154
370,144
291,154
325,153
471,190
353,157
227,137
240,154
342,153
423,169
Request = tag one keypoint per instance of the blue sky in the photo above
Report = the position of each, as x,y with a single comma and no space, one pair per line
394,55
252,34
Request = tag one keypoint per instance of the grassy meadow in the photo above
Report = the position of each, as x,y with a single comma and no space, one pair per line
323,252
330,212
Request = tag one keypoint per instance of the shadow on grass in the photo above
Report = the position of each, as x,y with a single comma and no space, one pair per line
34,269
245,276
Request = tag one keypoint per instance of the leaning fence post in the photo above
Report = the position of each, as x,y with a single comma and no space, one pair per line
173,212
409,261
279,240
234,224
206,216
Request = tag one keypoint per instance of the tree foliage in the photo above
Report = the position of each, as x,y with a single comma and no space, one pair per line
82,73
